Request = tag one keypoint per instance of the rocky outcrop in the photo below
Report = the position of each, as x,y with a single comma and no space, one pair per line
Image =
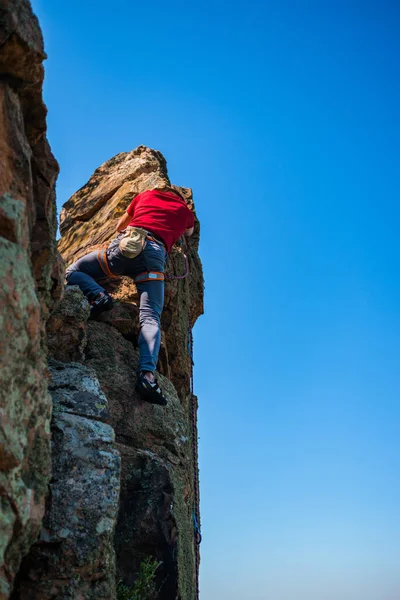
88,222
156,444
30,282
156,503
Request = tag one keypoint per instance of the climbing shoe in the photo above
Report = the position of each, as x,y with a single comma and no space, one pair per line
151,392
100,303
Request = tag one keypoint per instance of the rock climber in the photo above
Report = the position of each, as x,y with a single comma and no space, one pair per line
152,223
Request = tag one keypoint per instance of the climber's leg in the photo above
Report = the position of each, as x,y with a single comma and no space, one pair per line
151,304
151,295
86,273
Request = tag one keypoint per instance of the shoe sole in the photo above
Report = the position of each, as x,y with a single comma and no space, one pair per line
149,397
99,309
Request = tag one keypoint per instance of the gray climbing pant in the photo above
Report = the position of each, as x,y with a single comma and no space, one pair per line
88,275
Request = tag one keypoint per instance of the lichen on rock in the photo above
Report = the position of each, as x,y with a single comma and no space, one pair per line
74,556
30,279
66,327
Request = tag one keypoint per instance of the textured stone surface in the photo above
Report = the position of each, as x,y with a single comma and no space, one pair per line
74,557
25,411
91,211
124,317
136,422
157,497
88,220
155,519
156,501
30,275
66,327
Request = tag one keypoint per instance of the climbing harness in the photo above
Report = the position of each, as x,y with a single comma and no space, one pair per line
149,276
157,276
146,275
103,262
153,238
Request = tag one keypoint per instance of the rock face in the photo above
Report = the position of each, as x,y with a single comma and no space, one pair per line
30,282
66,328
74,557
156,501
88,221
156,444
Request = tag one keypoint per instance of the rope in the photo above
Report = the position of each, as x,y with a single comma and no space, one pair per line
186,270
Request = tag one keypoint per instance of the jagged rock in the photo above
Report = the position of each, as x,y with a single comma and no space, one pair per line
155,518
108,191
76,389
135,422
88,221
30,283
157,472
156,444
74,557
66,327
125,318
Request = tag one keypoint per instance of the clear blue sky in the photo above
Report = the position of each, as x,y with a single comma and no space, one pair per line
284,119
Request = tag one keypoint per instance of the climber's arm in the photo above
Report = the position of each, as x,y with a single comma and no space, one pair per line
189,223
123,222
128,215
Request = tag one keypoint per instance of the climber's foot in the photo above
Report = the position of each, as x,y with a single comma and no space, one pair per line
100,303
150,391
